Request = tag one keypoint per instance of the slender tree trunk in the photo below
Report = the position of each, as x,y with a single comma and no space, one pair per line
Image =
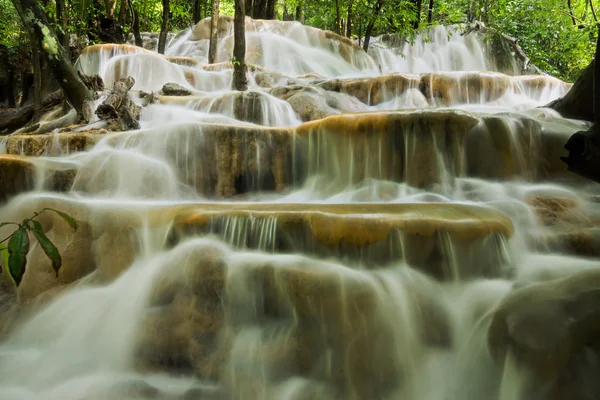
122,12
270,12
197,11
418,6
37,81
593,10
135,25
214,33
349,20
371,24
430,12
164,27
299,12
249,8
239,47
12,103
596,84
337,17
61,17
569,5
53,53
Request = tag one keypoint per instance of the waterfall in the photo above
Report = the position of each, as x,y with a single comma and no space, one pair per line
357,231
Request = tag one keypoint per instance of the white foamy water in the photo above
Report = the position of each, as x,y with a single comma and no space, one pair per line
236,287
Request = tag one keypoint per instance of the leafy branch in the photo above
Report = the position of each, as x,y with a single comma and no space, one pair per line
14,254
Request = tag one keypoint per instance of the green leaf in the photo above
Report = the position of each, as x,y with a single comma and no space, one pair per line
18,247
70,220
37,225
49,248
4,255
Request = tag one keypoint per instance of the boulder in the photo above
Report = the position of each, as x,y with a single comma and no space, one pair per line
174,89
246,321
551,329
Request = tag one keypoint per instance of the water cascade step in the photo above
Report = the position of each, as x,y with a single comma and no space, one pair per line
394,224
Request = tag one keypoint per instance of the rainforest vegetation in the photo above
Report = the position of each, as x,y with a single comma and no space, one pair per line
558,36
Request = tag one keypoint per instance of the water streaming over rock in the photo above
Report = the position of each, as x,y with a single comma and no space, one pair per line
346,229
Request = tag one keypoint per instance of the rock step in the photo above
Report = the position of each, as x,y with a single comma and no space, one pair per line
424,148
447,241
432,89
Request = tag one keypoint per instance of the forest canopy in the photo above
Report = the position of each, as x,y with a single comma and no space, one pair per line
558,35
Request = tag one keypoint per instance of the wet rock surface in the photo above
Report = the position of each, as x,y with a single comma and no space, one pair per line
551,329
174,89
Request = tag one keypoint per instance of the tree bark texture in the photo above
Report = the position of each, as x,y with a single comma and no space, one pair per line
53,52
338,19
239,47
37,81
164,27
371,24
118,109
214,33
418,5
430,12
197,11
349,20
14,119
135,25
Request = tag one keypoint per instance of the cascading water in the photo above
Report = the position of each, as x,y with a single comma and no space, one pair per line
346,235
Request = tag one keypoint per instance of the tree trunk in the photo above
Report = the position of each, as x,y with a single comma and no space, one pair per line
299,13
371,24
418,6
53,53
110,6
164,27
214,33
135,25
593,10
61,17
37,81
270,12
430,12
571,12
122,12
337,17
349,21
239,47
197,11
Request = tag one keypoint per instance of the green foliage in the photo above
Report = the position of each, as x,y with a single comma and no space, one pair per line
544,28
12,35
15,254
546,33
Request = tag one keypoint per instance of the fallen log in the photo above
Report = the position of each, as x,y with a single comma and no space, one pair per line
15,119
118,109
